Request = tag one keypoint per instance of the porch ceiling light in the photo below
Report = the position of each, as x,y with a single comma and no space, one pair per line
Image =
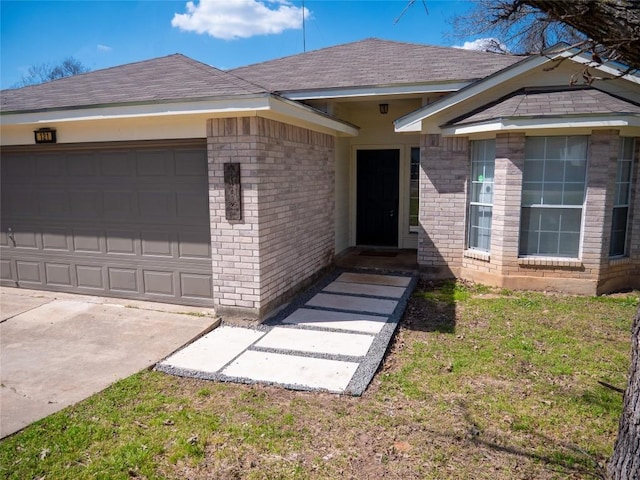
384,108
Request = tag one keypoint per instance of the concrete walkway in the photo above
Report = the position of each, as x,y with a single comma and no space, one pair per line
332,337
57,348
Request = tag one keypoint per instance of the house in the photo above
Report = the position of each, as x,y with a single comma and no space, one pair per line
173,181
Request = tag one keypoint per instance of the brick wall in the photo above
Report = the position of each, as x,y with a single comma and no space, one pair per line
286,235
624,272
444,169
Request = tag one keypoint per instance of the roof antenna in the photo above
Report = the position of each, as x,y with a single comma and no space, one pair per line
304,31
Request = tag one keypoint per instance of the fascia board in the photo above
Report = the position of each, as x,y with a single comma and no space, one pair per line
244,105
355,92
229,105
412,121
585,60
509,124
308,115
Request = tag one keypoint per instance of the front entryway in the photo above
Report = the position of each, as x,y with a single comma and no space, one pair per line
378,173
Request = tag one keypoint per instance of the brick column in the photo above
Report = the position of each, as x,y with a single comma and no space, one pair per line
234,244
287,233
601,177
507,196
444,172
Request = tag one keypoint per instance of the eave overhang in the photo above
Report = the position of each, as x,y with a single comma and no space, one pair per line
543,122
374,90
264,104
412,123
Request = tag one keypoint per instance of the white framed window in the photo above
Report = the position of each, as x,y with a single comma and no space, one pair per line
553,192
483,160
622,198
414,190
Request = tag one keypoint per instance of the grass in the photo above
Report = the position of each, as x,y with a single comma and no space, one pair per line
479,383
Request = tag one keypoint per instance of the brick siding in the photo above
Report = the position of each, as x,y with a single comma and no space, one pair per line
286,235
443,205
444,170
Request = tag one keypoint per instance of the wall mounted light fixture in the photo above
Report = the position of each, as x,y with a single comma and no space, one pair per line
384,108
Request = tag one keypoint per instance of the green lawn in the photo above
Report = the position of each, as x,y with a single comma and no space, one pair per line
478,383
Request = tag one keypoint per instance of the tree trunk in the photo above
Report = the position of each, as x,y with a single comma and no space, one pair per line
612,23
625,462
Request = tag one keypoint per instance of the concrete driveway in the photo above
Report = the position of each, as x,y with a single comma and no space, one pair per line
57,349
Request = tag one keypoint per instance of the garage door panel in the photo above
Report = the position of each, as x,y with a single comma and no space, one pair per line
119,204
55,239
159,283
53,203
24,239
116,164
86,204
156,204
190,163
28,271
89,277
157,244
6,270
152,163
87,241
21,203
25,168
194,245
127,222
196,286
58,274
122,279
121,242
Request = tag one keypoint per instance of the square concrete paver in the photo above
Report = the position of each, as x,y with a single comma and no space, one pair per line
373,279
365,289
213,351
331,375
355,304
333,343
357,322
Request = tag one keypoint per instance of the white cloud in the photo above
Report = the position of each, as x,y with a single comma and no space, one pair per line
233,19
485,45
104,48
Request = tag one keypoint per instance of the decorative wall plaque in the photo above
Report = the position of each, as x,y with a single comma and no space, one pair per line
232,199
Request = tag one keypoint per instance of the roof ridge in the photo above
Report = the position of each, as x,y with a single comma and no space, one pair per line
369,39
210,68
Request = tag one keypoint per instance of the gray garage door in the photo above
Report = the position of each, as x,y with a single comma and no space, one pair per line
127,221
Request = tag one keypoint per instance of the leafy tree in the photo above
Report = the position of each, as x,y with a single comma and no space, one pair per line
45,72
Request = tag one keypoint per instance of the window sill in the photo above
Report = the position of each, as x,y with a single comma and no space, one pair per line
550,262
478,255
619,260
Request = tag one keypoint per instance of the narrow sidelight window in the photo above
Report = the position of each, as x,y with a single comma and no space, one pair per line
483,159
619,223
414,190
553,191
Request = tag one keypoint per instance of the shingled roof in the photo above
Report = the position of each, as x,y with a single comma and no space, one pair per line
545,103
171,78
373,62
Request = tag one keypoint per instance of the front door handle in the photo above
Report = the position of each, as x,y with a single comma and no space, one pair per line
392,213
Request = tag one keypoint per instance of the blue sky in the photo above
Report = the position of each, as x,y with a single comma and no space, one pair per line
222,33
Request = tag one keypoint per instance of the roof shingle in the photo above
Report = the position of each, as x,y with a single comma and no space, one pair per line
576,101
174,77
373,62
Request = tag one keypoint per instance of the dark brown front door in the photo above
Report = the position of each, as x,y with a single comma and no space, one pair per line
377,198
